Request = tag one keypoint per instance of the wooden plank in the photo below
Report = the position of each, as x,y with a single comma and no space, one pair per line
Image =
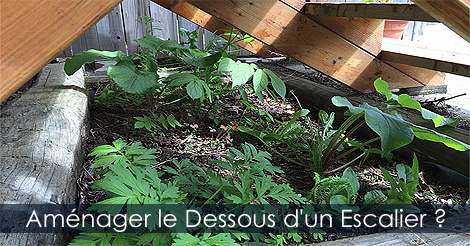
111,31
412,53
455,14
423,75
394,11
132,9
366,33
107,34
213,24
165,20
280,26
30,38
88,40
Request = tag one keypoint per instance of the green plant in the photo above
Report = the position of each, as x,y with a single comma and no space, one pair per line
320,142
336,190
282,239
242,73
129,179
401,192
151,125
133,156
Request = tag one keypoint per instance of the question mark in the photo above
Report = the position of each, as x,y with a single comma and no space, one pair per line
439,218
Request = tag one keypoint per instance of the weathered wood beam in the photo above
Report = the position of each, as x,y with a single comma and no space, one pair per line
410,53
455,14
279,25
33,32
394,11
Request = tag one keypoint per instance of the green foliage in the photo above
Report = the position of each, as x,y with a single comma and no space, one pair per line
393,130
402,192
128,179
76,62
150,123
242,73
283,239
130,79
206,239
123,155
336,190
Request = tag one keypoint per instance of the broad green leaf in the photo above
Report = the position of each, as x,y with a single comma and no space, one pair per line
226,65
277,83
374,197
394,132
179,79
241,73
247,38
405,101
195,89
200,59
349,174
433,136
130,79
381,86
75,62
260,81
155,44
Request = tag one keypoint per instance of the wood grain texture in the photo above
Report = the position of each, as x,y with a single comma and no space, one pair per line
213,24
455,14
394,11
132,9
423,75
411,53
33,32
107,34
40,147
166,21
365,33
284,28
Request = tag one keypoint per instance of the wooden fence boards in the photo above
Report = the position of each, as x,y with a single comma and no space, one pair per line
132,9
33,32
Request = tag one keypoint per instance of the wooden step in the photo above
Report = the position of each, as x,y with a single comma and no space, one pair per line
343,49
418,55
394,11
33,32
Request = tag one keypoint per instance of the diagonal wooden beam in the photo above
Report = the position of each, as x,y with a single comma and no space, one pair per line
279,25
455,14
33,32
394,11
214,25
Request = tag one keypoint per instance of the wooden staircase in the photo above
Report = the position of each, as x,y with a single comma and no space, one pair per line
336,42
341,41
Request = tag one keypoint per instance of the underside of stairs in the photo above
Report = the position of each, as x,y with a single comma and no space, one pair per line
343,41
347,49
